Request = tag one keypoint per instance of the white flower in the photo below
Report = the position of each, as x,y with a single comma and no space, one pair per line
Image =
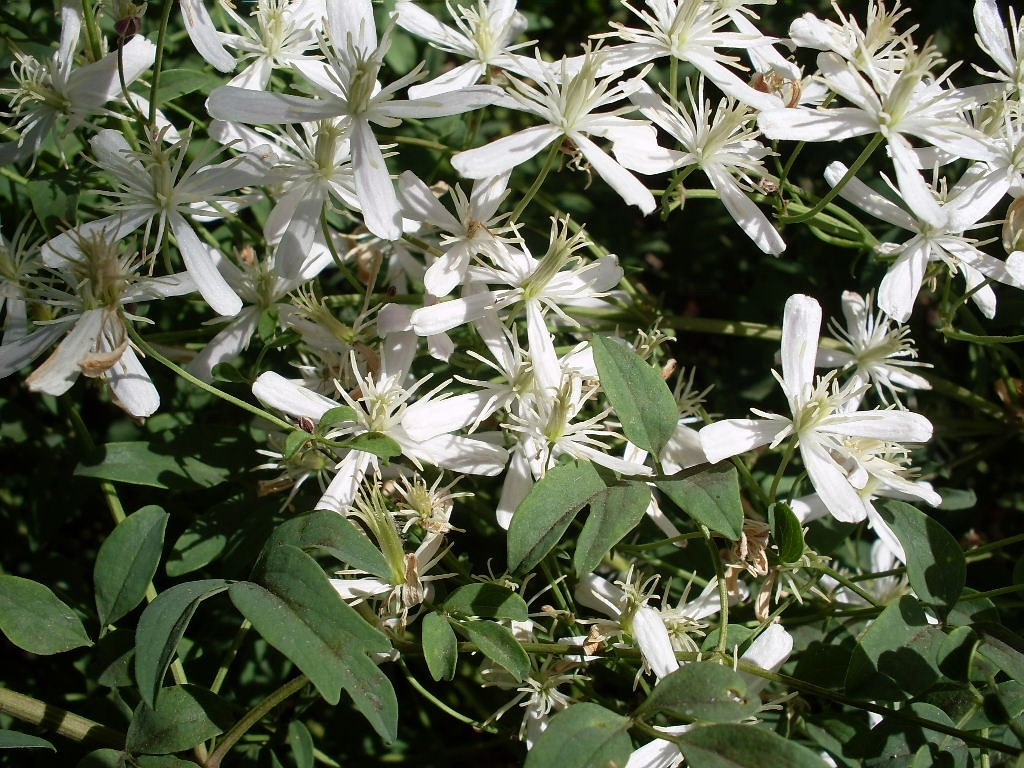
820,422
55,90
722,143
568,102
348,82
873,351
485,36
938,226
1005,46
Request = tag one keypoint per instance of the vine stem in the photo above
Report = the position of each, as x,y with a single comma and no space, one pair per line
832,193
253,716
151,352
60,721
421,689
537,182
723,592
161,37
842,579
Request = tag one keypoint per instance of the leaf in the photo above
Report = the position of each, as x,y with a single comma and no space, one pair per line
1003,648
185,716
15,740
499,645
935,562
440,646
160,629
898,653
710,495
136,463
547,510
896,744
488,600
178,82
332,534
640,397
338,415
294,443
54,201
742,746
583,736
614,512
787,532
701,691
127,561
298,612
34,619
375,443
301,742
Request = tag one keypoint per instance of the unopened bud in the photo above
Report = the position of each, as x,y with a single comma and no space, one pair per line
1013,226
129,19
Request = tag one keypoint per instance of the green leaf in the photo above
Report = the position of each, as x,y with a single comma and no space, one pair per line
299,613
160,628
15,740
499,645
787,532
489,600
742,746
127,561
185,716
334,416
267,325
896,744
327,532
54,201
113,758
898,653
294,443
440,646
1003,648
375,443
640,397
136,463
614,512
701,691
301,742
547,510
229,373
33,618
935,562
711,496
178,82
583,736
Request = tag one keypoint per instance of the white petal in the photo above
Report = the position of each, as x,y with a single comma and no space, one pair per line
344,486
16,354
283,395
744,211
732,437
504,153
769,651
917,194
58,372
377,198
892,425
652,637
831,483
600,594
801,325
898,290
446,315
454,79
132,386
226,345
865,198
200,264
800,124
242,105
628,186
518,482
204,35
426,419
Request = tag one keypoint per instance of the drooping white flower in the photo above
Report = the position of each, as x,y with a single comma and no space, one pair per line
821,421
1004,44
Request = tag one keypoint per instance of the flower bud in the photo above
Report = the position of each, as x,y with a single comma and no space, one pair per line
1013,226
129,19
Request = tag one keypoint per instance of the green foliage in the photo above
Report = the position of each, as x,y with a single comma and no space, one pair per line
711,496
35,619
440,646
703,691
127,561
614,512
583,736
742,746
184,717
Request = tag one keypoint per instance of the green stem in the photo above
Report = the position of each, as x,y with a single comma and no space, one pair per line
60,721
786,458
419,688
723,592
994,592
92,30
537,182
842,579
222,670
832,193
149,351
253,716
993,545
161,40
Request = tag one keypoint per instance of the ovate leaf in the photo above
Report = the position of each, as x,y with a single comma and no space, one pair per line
499,645
127,561
301,742
185,716
440,646
742,746
488,600
33,618
786,531
935,561
701,691
332,534
136,463
640,397
547,510
160,628
711,496
583,736
614,512
298,612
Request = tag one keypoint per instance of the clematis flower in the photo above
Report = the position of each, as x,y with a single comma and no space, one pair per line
822,422
1004,44
49,92
873,351
348,83
568,102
